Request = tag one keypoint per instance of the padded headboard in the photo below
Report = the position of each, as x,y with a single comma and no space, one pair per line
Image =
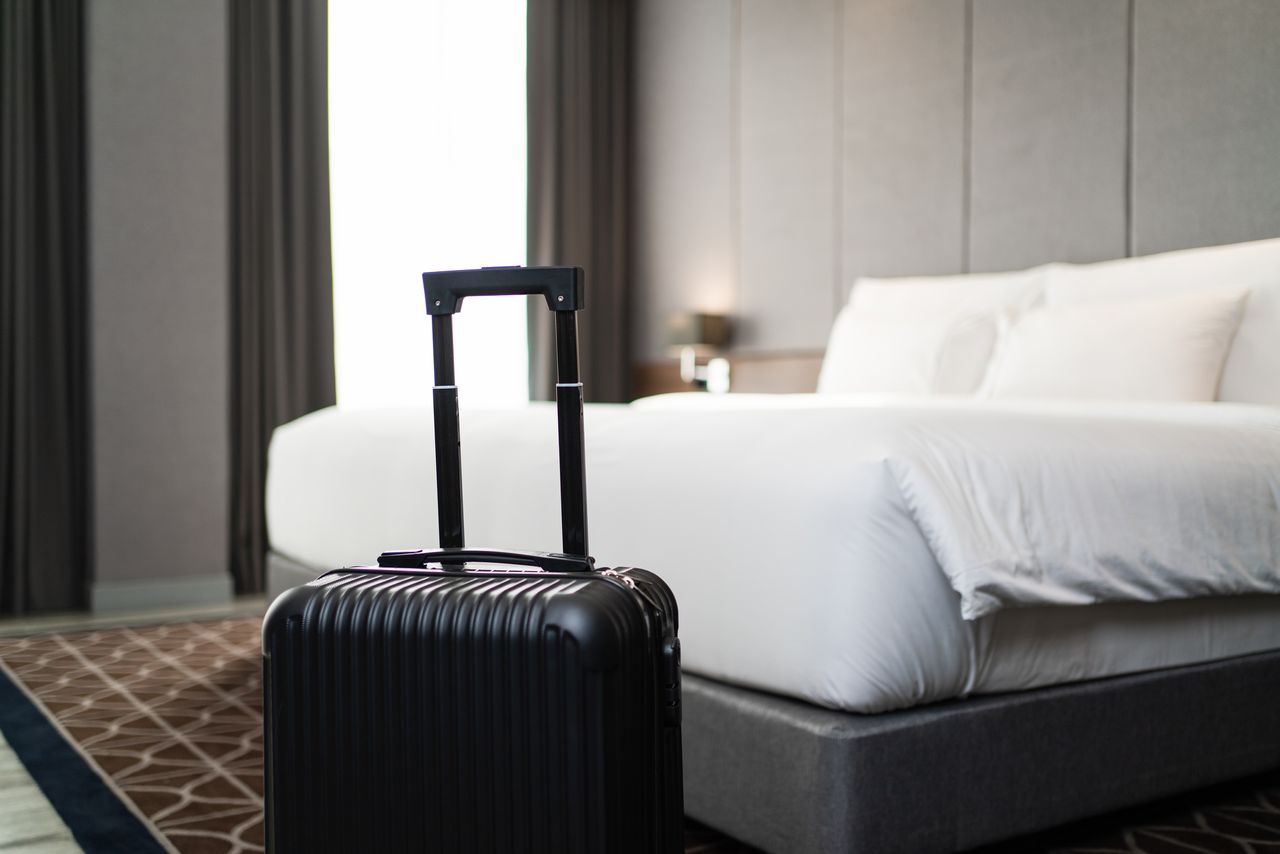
783,149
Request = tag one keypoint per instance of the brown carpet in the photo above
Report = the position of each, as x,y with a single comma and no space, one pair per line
173,714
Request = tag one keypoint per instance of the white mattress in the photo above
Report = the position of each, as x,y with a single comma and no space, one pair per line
798,570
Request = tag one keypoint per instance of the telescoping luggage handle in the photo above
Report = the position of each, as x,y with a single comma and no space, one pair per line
445,291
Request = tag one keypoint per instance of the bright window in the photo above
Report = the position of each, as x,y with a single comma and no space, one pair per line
427,172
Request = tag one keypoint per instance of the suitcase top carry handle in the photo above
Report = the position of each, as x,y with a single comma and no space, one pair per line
562,288
549,561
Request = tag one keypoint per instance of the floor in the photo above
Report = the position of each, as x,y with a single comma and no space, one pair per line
28,823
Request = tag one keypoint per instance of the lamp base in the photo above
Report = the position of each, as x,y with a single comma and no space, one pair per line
714,376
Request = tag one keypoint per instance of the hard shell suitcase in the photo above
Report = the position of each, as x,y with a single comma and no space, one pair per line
475,700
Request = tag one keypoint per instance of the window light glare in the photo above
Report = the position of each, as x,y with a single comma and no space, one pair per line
427,172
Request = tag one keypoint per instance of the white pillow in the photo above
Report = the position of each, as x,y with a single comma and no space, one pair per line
882,353
956,295
1252,370
924,334
1163,349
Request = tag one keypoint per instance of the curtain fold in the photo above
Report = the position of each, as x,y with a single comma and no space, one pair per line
45,530
579,129
282,362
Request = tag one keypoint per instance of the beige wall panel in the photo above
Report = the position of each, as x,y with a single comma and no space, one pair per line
790,176
1049,119
157,115
904,137
1206,122
684,254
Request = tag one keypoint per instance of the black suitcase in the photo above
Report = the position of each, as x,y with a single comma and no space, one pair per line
468,700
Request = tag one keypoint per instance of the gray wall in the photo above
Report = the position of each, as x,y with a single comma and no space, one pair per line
787,147
158,267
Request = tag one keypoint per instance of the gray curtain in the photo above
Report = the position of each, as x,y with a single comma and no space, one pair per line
579,103
281,268
44,370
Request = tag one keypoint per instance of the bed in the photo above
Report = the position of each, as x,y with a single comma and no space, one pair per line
910,622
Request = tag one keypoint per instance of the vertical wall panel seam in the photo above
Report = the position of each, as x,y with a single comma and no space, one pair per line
837,151
1128,131
735,153
966,179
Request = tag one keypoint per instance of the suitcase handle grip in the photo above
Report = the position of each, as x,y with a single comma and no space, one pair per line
560,286
549,561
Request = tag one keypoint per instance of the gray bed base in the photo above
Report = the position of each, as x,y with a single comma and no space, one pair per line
795,779
791,778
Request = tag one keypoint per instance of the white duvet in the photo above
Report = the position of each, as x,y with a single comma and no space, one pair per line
1056,503
828,547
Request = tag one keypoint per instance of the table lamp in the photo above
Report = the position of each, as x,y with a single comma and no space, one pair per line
699,335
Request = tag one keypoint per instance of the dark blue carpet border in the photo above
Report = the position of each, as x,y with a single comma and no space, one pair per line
97,818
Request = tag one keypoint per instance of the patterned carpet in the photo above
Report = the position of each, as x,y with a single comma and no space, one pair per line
172,715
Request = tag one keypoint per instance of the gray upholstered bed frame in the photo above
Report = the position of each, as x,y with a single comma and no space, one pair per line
792,778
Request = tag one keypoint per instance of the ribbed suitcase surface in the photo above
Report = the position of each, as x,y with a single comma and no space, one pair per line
449,712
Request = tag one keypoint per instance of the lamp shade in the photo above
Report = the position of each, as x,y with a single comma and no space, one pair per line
696,329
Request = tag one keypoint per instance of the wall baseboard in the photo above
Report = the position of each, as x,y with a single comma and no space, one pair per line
148,593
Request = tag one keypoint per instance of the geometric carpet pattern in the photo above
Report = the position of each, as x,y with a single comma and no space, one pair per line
171,715
1237,818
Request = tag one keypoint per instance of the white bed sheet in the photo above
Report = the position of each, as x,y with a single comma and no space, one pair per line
797,570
